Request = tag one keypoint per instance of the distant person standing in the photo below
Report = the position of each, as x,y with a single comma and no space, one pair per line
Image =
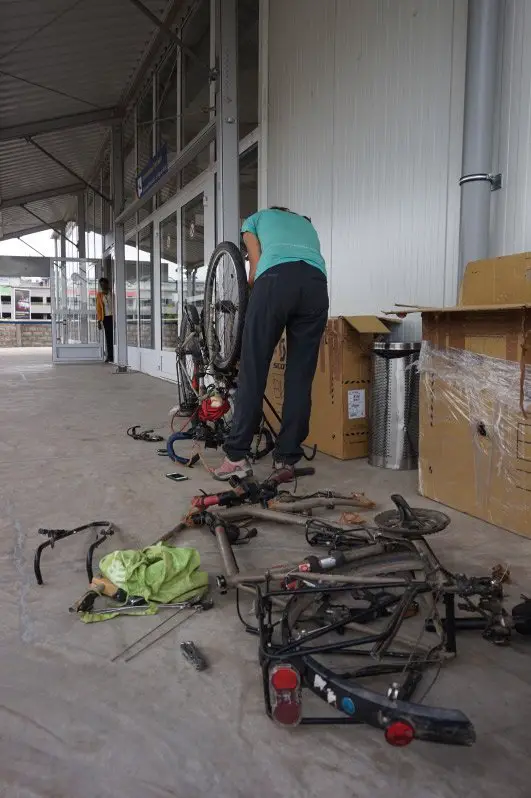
104,315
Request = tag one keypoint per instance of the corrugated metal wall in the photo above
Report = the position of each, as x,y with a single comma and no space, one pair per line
364,135
511,206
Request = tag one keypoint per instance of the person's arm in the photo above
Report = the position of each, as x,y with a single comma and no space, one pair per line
100,312
253,251
252,244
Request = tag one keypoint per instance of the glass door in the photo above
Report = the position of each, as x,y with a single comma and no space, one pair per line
75,334
186,241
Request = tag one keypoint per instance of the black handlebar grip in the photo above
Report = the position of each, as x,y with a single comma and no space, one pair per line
304,472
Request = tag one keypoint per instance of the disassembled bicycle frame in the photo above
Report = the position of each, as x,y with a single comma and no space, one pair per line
293,588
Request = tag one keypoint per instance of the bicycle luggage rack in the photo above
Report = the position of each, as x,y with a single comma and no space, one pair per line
106,529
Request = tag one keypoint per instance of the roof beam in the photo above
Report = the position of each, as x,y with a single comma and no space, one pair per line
48,193
59,123
167,30
27,231
67,169
59,230
173,16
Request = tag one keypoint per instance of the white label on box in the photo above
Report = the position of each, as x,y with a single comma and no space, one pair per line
356,404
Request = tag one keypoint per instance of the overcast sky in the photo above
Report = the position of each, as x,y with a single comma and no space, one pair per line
41,241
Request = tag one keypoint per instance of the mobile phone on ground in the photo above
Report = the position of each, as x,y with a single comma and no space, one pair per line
177,477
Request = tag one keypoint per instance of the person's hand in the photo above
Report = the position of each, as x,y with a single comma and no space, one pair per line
100,325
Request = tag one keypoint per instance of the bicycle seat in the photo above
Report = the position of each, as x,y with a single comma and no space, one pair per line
412,523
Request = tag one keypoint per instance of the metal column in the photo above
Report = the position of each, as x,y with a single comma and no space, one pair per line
82,249
63,242
120,321
82,225
60,322
228,181
480,93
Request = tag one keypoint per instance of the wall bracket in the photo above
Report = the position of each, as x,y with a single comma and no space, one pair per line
494,180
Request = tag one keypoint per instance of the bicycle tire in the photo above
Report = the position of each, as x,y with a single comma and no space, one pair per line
224,360
188,360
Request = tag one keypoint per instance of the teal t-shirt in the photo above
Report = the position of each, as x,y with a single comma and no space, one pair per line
284,237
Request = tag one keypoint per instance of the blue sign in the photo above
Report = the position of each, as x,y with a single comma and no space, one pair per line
152,171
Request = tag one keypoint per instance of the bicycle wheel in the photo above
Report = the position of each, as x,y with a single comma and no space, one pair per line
226,294
188,362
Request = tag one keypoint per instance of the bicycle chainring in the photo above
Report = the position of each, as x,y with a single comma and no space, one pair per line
424,522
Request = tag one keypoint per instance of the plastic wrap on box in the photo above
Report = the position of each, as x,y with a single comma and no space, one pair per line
475,435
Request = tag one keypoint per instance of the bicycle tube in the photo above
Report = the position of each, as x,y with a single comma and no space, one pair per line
178,436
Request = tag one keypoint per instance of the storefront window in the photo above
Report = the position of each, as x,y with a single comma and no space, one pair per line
169,283
195,105
197,165
248,47
144,129
106,218
167,119
167,105
168,191
145,286
193,243
131,291
249,182
128,151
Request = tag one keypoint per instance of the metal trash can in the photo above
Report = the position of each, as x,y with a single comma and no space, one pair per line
394,407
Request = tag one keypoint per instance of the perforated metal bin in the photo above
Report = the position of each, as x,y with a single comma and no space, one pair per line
394,406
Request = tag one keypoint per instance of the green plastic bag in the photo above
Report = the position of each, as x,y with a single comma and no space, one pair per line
162,573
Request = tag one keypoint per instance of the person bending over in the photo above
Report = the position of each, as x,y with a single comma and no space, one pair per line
104,316
289,292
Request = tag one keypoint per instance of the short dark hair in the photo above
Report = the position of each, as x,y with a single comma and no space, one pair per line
287,210
103,281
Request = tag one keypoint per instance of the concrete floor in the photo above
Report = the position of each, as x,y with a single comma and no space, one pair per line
75,725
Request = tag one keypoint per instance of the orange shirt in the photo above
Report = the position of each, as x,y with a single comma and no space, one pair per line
103,305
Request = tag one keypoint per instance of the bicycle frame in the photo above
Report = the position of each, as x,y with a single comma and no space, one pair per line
353,702
394,652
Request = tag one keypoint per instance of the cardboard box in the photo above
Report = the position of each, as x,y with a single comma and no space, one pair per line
497,281
340,393
475,412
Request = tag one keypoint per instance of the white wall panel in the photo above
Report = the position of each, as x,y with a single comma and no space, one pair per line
511,206
301,109
365,131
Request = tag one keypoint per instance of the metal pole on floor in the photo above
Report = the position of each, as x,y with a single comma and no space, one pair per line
477,182
228,180
120,321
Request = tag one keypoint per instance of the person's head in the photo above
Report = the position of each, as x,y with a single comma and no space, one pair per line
104,285
287,210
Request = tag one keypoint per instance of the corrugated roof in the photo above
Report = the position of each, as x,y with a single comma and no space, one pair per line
85,55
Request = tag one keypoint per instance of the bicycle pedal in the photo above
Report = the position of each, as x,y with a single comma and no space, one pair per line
192,654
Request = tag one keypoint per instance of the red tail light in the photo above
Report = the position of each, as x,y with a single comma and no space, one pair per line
285,695
399,733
